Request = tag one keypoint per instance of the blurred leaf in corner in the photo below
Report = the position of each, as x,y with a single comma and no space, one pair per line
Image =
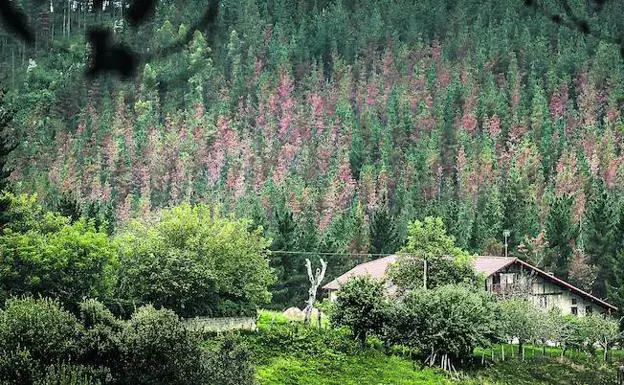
109,57
16,21
140,10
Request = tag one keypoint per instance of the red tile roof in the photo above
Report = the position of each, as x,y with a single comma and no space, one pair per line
376,269
485,264
490,265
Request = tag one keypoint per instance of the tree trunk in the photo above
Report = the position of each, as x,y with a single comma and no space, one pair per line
315,281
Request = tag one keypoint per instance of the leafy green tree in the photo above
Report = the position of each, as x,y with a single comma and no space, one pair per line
447,321
519,320
602,330
69,263
23,213
360,305
203,263
428,241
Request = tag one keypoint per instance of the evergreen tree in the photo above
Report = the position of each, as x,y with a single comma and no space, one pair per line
487,227
383,234
286,264
68,206
561,234
6,116
520,212
601,235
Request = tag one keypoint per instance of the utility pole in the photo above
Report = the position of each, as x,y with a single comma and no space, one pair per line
425,274
506,234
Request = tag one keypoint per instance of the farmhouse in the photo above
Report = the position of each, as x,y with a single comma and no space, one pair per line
504,276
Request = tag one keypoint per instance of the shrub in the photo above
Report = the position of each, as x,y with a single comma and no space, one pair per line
158,350
40,326
361,306
35,333
101,342
300,341
195,262
71,374
229,364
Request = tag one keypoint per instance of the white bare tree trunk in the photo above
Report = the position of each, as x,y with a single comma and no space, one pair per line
315,281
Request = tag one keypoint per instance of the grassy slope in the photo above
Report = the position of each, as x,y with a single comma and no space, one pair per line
372,367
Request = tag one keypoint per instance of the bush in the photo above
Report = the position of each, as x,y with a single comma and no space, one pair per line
229,363
158,350
361,306
70,374
33,334
101,342
300,341
195,262
41,327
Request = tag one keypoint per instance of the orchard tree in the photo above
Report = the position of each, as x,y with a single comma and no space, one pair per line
446,323
519,320
360,305
602,330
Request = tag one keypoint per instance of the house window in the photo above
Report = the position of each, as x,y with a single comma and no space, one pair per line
588,310
543,301
573,301
574,310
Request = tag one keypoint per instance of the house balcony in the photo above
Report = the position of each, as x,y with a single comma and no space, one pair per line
509,289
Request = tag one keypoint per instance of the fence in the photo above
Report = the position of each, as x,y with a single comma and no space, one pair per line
223,324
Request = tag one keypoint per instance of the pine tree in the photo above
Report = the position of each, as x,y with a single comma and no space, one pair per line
284,263
487,226
561,234
601,234
6,116
68,206
383,233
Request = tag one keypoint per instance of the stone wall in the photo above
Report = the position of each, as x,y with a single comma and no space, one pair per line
222,324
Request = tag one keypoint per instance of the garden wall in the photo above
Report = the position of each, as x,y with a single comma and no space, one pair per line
222,324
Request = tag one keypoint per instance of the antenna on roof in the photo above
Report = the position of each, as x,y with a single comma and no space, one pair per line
506,234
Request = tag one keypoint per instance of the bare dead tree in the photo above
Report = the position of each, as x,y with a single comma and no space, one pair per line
315,281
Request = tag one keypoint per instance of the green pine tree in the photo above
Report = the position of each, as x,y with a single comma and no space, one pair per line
561,234
383,233
601,233
284,262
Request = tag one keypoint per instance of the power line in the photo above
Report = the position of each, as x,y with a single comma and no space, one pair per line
329,253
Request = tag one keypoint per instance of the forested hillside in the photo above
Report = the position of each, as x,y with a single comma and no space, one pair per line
332,124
